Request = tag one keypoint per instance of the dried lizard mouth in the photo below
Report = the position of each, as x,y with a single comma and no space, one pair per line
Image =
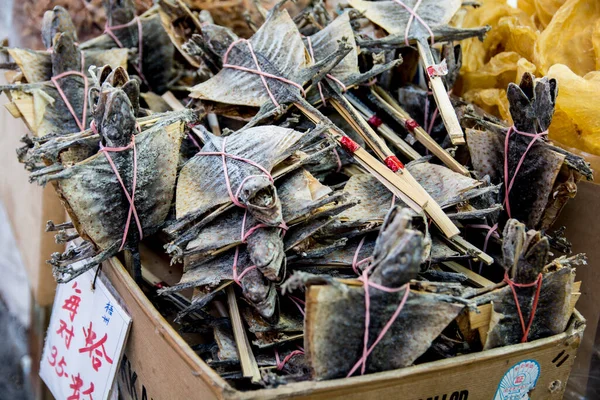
260,196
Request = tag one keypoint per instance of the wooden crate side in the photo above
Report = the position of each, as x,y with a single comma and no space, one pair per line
158,363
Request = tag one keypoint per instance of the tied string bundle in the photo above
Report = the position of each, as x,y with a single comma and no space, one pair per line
536,297
81,123
364,278
234,199
109,30
130,197
258,71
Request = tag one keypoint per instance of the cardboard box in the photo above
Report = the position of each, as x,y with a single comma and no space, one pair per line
159,364
28,207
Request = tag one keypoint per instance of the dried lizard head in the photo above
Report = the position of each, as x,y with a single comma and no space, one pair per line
56,21
398,249
65,55
115,105
532,103
119,11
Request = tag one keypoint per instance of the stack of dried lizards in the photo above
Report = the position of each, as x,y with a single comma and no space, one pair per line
318,177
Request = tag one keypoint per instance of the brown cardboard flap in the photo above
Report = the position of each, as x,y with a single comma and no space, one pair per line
28,207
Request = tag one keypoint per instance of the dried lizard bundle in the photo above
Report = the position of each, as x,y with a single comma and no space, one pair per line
538,177
123,192
145,34
385,336
536,302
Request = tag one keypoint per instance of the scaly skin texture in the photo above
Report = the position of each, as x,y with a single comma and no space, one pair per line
56,21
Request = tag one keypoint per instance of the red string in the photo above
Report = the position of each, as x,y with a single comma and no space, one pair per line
298,303
258,71
109,31
349,145
375,121
393,163
81,124
538,284
130,198
411,125
414,15
508,185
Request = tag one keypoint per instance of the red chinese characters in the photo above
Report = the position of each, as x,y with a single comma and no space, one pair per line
77,385
96,350
66,333
72,303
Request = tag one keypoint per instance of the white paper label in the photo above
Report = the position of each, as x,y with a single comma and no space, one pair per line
84,342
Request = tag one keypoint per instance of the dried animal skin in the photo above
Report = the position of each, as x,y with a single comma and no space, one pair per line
394,18
201,185
157,49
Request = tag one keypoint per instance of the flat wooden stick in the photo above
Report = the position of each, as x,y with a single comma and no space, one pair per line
419,133
441,96
385,131
249,365
473,278
403,185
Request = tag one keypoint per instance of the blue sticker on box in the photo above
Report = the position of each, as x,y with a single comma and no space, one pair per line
518,381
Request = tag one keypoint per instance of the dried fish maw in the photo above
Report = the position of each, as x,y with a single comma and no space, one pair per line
394,18
277,41
333,313
476,53
504,68
492,101
568,38
201,185
510,35
576,122
545,10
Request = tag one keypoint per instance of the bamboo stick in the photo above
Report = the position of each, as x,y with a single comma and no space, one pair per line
247,360
385,131
403,186
419,133
441,97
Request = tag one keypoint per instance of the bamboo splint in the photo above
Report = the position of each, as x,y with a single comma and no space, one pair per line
419,133
247,360
402,185
442,99
385,131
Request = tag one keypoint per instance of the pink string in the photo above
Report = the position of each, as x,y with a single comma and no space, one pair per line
281,364
299,303
536,297
508,185
491,230
414,15
258,70
355,262
130,198
81,124
109,31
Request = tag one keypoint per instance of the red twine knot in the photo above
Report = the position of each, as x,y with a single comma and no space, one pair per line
393,163
375,121
349,145
411,125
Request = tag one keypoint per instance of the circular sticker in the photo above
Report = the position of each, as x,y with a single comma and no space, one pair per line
518,381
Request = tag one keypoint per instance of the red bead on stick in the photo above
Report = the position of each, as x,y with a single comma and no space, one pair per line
393,163
411,125
375,121
349,145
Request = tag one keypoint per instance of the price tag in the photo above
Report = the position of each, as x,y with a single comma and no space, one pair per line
85,340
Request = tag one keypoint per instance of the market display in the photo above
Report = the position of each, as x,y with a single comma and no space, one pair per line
317,172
